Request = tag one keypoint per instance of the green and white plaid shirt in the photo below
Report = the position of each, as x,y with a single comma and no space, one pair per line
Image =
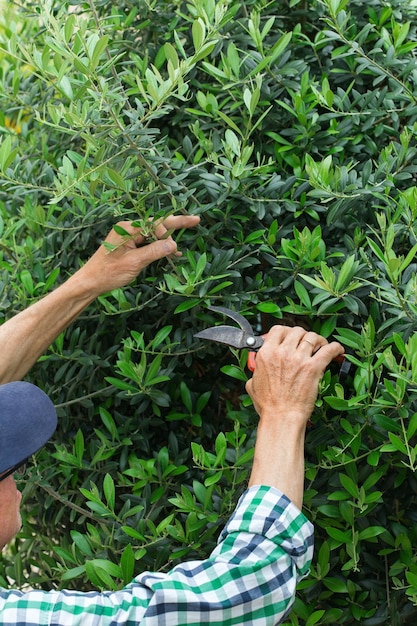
250,578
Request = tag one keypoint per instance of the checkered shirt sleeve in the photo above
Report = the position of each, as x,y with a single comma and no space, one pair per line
249,579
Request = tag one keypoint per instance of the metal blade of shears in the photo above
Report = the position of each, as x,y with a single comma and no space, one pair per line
239,338
233,337
235,316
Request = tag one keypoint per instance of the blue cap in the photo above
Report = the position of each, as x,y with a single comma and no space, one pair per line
27,420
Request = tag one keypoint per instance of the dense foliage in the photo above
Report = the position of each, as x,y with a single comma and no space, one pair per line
290,127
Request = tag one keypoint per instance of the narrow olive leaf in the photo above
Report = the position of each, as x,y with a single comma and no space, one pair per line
411,256
274,53
127,564
171,55
371,533
186,305
198,33
233,142
7,154
230,122
109,491
98,50
346,273
121,231
64,85
247,98
204,51
69,27
116,178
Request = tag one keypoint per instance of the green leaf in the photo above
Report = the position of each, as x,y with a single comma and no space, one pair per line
121,384
344,537
127,564
345,274
303,294
79,445
398,443
412,426
204,51
186,305
69,27
233,142
160,336
99,48
315,617
245,458
268,307
74,572
212,480
186,397
102,573
229,122
340,404
336,585
234,372
376,250
64,85
7,154
109,491
371,532
116,178
199,33
171,55
350,486
278,48
81,542
27,282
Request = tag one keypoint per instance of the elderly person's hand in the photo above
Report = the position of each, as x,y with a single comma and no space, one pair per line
284,389
288,369
117,265
28,334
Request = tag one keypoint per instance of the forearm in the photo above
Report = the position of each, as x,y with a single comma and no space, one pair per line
26,336
279,457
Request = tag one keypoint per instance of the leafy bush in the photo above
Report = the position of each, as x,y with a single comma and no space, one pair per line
290,127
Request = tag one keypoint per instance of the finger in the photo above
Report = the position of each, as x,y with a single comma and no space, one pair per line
176,222
325,355
125,233
294,337
156,250
160,231
165,227
311,342
161,228
287,336
273,338
276,334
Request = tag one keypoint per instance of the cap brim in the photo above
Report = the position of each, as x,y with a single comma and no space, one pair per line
27,420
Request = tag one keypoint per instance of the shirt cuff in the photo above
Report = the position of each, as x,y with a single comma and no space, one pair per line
267,511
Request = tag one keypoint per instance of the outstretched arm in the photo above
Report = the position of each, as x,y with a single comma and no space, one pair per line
284,388
266,546
24,337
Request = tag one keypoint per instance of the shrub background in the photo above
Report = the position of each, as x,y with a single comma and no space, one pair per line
290,127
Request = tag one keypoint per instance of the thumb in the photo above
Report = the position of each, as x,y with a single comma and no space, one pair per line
157,250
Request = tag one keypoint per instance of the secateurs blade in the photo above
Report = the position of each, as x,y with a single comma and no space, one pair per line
240,338
246,338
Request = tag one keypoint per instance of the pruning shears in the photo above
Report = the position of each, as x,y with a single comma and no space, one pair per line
245,337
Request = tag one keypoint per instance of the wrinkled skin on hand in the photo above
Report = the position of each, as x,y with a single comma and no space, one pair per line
111,269
289,367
